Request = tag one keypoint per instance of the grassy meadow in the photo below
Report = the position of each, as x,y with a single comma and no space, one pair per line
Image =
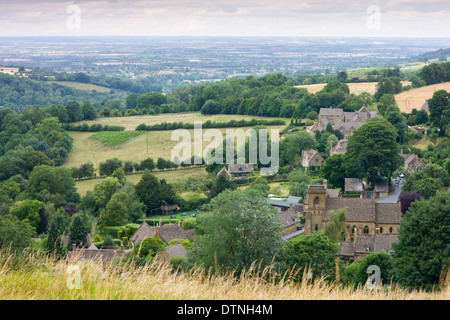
170,176
130,123
82,86
153,144
39,278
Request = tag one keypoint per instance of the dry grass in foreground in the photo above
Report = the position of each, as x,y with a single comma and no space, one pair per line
43,278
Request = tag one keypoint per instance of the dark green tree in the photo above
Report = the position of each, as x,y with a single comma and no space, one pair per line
423,252
77,233
373,151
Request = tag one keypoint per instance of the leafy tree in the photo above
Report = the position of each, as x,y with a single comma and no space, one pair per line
107,167
148,164
51,183
335,229
29,210
313,252
54,243
210,107
372,150
146,190
406,199
241,229
77,233
298,182
261,184
74,111
114,214
422,252
380,259
399,122
149,248
388,86
333,169
161,164
291,147
312,115
439,106
88,111
131,101
104,190
428,181
218,185
14,233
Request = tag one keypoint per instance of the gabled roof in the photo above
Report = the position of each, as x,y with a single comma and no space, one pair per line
288,217
143,232
293,199
237,168
340,147
331,111
425,106
383,242
333,193
224,172
353,184
176,250
168,232
92,247
363,109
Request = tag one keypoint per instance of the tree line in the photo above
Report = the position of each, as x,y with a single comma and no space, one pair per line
208,124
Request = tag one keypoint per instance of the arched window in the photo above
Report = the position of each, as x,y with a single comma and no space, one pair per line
316,227
381,229
390,229
316,202
366,229
354,229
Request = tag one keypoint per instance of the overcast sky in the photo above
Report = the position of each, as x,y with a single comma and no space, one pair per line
375,18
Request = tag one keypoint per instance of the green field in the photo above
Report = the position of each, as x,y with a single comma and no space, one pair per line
81,86
130,123
152,144
115,138
170,176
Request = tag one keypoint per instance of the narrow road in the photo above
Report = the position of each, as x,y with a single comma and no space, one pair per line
393,197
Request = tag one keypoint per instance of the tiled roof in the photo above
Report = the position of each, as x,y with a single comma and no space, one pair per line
333,193
382,186
176,250
359,210
234,168
224,172
330,111
168,232
143,232
288,217
384,242
353,184
387,212
293,199
346,248
340,147
364,243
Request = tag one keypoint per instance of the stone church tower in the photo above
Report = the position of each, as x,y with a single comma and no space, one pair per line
315,207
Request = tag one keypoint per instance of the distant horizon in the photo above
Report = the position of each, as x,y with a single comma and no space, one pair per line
230,18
